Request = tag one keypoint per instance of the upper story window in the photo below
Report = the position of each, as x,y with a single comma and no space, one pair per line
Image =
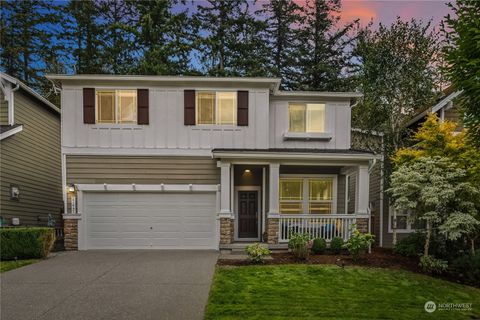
218,108
306,117
116,106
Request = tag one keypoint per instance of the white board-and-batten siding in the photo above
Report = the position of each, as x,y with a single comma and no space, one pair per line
166,129
337,123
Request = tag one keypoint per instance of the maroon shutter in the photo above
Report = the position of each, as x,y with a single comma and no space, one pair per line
242,108
189,107
142,106
88,105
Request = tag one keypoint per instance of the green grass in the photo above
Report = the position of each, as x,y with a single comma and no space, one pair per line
330,292
10,265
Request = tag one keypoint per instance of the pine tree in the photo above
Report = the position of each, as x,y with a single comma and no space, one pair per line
28,37
165,38
283,18
324,56
120,51
218,22
83,36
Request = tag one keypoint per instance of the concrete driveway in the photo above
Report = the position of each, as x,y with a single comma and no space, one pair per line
140,284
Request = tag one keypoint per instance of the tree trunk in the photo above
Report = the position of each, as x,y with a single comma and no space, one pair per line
394,227
427,239
472,246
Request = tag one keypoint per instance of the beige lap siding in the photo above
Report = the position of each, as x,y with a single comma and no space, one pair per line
31,160
141,170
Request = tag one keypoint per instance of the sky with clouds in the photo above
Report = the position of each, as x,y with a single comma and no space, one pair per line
386,11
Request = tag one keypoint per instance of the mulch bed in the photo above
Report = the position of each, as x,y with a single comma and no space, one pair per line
379,258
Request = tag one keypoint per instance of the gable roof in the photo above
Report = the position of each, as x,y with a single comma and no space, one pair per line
30,91
443,103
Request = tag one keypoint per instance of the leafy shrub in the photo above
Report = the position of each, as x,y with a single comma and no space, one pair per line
466,268
358,242
411,246
26,243
257,253
336,245
298,243
432,265
319,245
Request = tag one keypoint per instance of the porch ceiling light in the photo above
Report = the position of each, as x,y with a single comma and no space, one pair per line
247,171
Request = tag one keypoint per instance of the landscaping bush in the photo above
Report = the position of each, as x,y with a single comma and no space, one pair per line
257,253
466,268
336,245
319,245
358,243
411,246
433,265
298,243
26,243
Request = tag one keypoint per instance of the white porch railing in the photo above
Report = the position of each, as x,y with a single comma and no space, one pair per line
324,226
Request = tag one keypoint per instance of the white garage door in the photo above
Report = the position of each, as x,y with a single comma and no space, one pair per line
150,220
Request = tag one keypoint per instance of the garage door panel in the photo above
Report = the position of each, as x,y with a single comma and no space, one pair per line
150,220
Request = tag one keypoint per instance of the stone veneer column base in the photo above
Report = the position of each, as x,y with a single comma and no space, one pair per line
362,225
226,231
272,230
70,232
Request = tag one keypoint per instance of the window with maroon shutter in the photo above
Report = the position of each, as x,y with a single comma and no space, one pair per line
142,106
189,107
89,105
242,108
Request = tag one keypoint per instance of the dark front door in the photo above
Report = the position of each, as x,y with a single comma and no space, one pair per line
247,214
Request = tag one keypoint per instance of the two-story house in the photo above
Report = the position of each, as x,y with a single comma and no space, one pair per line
203,163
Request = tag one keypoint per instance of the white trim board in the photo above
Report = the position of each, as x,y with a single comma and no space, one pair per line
148,187
11,132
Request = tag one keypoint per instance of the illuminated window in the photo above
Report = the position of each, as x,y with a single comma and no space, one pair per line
216,108
116,106
306,117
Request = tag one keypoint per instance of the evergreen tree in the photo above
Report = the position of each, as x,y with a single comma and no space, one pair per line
83,36
218,41
28,37
324,56
462,54
165,38
117,19
284,18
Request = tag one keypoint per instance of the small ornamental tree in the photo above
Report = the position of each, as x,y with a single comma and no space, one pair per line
436,191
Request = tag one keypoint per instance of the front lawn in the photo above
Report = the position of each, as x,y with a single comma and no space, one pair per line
330,292
10,265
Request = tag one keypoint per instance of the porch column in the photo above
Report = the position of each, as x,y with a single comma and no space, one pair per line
362,208
225,210
273,190
273,204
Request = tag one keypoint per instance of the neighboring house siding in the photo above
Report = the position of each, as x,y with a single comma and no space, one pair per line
453,114
141,170
31,160
166,129
3,110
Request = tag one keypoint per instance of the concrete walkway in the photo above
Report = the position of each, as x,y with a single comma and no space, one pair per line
110,284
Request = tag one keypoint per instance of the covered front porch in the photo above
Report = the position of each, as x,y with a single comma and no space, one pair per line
265,196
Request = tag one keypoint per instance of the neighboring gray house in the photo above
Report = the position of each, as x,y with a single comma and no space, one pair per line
206,163
30,160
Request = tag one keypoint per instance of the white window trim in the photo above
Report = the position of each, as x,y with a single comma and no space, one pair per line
116,107
216,124
306,189
319,135
409,228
